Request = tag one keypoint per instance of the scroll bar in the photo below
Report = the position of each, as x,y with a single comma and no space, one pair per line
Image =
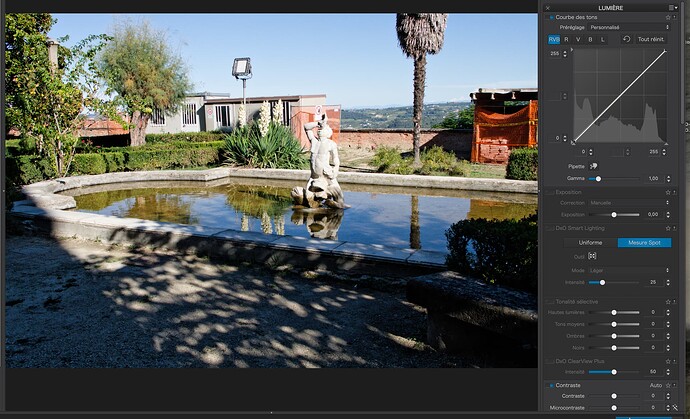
682,63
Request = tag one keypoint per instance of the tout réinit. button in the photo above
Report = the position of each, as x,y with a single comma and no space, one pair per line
644,243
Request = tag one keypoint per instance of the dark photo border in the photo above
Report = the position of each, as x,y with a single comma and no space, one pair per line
267,390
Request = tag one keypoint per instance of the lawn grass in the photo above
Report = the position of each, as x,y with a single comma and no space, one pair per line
489,171
360,159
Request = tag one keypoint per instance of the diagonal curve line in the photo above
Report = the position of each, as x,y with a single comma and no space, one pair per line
619,96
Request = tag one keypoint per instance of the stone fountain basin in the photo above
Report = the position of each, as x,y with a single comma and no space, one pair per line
46,211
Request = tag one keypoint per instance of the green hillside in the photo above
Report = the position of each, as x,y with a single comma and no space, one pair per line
398,117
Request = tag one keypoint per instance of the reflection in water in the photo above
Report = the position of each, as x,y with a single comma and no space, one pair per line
266,226
162,207
279,222
244,224
322,223
392,218
259,201
415,233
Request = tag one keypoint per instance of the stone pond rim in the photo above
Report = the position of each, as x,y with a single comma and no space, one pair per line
45,207
43,193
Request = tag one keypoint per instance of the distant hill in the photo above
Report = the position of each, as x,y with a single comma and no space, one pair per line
398,117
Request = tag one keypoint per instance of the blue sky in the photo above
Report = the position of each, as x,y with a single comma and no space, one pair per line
353,58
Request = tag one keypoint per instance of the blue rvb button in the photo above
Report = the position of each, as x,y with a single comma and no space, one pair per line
644,242
554,39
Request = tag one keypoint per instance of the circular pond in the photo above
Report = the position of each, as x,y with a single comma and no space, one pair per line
393,216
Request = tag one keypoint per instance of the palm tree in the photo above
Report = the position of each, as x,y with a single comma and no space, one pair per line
420,34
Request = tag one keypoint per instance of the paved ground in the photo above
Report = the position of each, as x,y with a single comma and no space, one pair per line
73,303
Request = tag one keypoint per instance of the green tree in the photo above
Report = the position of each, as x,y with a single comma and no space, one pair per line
26,48
420,34
464,119
147,75
47,101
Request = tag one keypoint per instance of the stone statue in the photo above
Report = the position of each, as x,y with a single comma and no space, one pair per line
322,187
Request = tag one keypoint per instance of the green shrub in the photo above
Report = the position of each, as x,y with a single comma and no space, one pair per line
27,146
436,161
88,164
462,168
114,161
523,164
13,147
164,146
23,170
160,159
179,145
278,149
186,137
389,160
499,252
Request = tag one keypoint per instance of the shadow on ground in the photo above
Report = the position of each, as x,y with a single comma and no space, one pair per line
74,303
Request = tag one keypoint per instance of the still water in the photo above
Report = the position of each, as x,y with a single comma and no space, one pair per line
400,217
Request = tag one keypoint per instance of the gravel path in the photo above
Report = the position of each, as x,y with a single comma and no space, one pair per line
73,303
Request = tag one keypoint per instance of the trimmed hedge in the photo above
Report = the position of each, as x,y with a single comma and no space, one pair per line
523,164
497,251
185,137
114,161
88,164
23,170
171,159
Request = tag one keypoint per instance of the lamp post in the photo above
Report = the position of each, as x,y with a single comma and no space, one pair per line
242,69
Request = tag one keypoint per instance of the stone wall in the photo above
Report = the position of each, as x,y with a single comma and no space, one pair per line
459,141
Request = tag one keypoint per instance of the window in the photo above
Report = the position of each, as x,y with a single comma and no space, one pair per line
157,117
286,113
189,114
223,116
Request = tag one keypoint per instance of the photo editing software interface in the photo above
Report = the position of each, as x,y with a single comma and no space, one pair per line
611,99
612,180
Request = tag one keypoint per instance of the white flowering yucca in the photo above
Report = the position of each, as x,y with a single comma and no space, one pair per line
242,115
264,118
278,112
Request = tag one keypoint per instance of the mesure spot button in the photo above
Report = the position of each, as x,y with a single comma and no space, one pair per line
644,243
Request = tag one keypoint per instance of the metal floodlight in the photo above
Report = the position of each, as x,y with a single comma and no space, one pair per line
242,68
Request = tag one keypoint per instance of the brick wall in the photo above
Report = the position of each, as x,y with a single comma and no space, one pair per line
496,152
459,141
